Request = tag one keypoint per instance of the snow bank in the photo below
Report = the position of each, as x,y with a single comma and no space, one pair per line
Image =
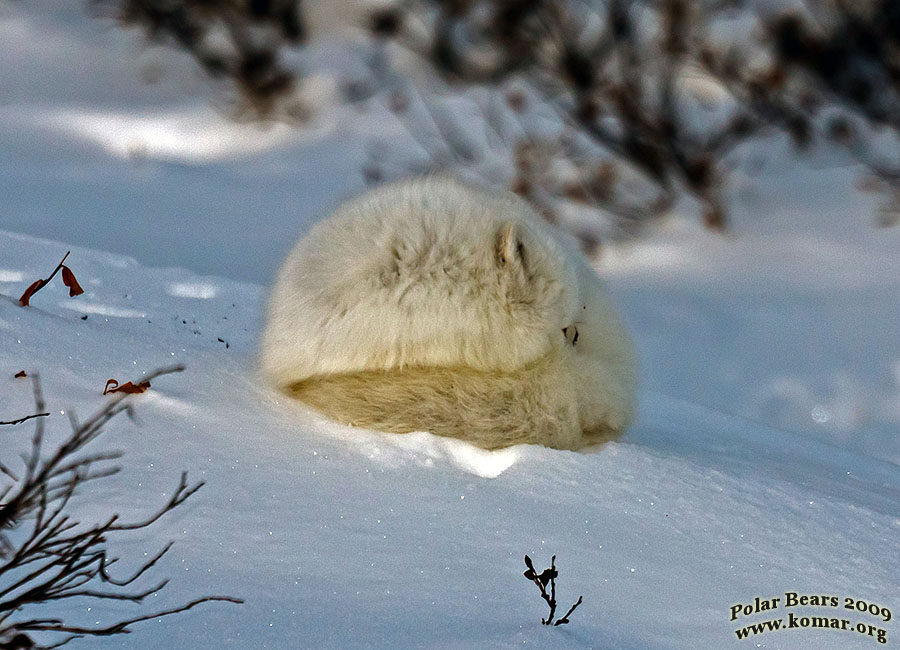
342,538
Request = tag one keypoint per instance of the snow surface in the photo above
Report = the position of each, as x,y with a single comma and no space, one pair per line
343,538
766,457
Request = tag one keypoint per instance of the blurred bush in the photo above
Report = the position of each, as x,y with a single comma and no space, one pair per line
601,113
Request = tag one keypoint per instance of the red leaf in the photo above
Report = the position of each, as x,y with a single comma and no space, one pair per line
69,280
112,386
128,387
19,374
30,291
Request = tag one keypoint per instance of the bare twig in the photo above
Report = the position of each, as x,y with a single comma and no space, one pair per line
27,417
57,557
565,618
542,579
50,625
37,285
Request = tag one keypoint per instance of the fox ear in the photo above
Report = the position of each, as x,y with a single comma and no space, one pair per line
509,251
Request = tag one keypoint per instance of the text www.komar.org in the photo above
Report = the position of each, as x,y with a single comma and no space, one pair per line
800,622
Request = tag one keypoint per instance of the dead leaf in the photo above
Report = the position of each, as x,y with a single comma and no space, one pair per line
20,374
69,280
112,386
547,575
30,291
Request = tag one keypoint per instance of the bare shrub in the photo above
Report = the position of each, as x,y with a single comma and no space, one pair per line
542,580
46,555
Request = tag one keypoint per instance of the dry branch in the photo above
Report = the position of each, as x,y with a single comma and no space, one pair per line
629,138
26,418
68,279
48,555
542,579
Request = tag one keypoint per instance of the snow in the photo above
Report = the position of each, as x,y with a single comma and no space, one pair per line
342,538
788,321
764,460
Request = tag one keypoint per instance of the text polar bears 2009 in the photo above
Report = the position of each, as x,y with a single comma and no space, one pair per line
795,622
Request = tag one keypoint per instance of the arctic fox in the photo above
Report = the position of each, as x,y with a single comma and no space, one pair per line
428,305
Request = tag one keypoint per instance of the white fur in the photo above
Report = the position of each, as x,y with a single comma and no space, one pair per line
428,304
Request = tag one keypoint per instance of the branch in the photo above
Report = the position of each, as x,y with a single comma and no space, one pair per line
565,618
27,417
37,285
59,558
117,628
541,580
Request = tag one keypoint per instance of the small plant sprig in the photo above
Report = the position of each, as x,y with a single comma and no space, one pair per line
541,580
47,554
68,280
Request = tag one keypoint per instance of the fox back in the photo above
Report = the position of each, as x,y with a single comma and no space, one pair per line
430,305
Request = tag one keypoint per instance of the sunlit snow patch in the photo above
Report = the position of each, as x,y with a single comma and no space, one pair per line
428,450
11,276
400,449
481,462
180,407
187,136
202,290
